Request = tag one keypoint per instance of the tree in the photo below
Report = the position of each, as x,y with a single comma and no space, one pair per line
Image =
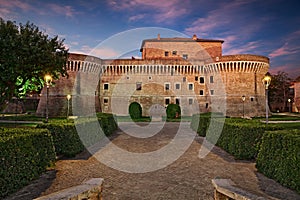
173,111
26,55
135,110
279,91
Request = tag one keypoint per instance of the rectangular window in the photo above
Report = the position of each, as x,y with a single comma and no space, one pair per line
211,79
185,56
190,101
201,92
184,79
174,53
201,80
105,100
177,101
212,92
167,101
167,86
177,86
166,53
105,86
191,86
138,86
196,78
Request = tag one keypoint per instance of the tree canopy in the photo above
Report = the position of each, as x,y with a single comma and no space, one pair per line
26,56
279,90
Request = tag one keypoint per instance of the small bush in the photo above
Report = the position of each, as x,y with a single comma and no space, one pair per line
24,155
173,111
135,110
279,157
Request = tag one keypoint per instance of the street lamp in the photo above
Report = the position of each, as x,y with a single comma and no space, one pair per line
48,80
266,81
289,100
243,99
68,98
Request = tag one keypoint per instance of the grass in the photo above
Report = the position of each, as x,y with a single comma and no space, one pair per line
18,125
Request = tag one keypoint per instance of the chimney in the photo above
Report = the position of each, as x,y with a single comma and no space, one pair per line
158,36
195,37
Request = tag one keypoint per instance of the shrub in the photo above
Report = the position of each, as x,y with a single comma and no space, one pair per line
200,122
279,157
24,155
71,137
135,110
173,111
240,139
65,138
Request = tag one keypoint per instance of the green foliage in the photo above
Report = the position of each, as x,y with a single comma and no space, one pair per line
239,137
72,136
173,111
24,155
200,122
279,157
135,110
26,55
65,138
279,91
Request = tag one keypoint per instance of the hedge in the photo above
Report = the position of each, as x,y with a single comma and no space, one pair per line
68,143
24,155
173,111
279,157
135,110
239,137
200,122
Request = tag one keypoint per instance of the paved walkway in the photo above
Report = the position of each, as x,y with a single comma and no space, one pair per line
189,177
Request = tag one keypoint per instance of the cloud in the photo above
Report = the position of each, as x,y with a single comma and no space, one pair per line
290,46
7,9
160,11
68,11
235,18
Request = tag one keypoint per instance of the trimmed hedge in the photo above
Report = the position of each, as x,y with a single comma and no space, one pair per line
239,137
173,111
200,122
24,155
65,132
65,138
279,157
135,110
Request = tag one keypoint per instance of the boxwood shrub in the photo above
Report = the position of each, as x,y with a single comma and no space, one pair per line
135,110
279,157
173,111
239,137
200,122
24,155
72,136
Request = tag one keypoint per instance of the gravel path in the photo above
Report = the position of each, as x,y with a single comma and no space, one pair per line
189,177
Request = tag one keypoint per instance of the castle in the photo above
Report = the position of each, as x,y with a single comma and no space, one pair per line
191,72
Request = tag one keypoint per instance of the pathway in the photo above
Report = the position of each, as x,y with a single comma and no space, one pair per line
189,177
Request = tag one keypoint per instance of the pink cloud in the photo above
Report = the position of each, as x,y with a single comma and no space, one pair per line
68,11
291,46
162,11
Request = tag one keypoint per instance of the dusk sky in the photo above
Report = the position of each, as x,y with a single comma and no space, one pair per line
270,27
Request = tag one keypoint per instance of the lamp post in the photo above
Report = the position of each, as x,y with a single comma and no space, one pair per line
289,100
266,81
68,110
48,80
243,99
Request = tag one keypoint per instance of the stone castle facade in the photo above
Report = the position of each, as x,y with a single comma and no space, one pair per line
191,72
